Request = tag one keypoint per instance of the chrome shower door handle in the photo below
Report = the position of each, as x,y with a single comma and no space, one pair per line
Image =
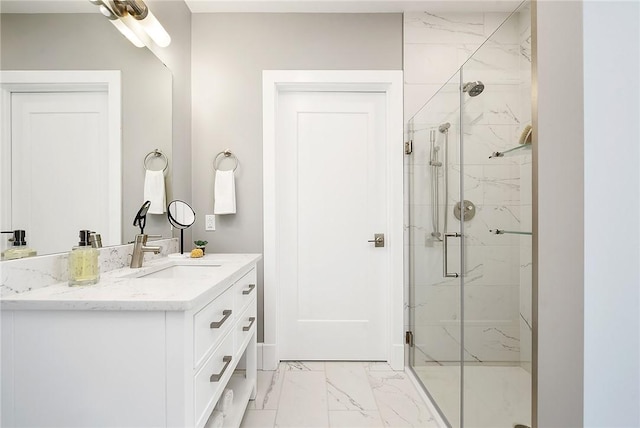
445,270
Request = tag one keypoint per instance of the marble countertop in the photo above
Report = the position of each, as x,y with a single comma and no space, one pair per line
120,290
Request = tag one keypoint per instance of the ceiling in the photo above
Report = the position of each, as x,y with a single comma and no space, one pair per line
279,6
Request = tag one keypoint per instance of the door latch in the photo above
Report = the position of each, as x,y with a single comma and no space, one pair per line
378,239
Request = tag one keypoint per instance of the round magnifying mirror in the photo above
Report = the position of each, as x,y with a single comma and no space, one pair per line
181,216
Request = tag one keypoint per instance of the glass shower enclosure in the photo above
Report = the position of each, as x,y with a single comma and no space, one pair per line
470,258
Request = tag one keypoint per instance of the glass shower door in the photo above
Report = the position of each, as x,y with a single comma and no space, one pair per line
496,306
435,312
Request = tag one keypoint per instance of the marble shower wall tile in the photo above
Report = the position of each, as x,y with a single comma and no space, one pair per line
484,342
19,276
436,304
450,28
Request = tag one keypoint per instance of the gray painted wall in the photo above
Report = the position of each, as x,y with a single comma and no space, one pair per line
229,52
588,240
559,226
612,209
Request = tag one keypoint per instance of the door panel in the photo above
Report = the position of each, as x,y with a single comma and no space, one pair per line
331,178
436,306
61,139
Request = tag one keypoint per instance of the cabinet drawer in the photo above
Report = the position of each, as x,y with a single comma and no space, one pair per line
245,290
211,324
245,325
211,379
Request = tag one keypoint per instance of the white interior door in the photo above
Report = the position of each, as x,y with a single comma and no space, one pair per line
59,142
330,186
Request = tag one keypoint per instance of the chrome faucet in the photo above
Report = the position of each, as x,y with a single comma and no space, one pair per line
140,247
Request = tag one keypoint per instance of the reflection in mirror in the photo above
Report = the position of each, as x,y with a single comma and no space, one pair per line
87,41
141,217
181,216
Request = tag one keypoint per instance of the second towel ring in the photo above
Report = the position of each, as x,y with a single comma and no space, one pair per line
227,153
156,153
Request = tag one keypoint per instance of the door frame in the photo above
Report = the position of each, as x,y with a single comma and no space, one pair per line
108,81
390,83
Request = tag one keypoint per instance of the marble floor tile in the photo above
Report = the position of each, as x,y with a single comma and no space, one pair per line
377,366
302,365
355,419
303,400
348,387
495,396
268,390
259,419
399,403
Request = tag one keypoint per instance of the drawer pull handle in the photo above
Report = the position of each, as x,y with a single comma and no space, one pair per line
247,328
218,324
251,287
217,376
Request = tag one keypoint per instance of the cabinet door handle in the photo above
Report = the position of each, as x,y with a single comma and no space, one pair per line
251,287
248,327
217,376
218,324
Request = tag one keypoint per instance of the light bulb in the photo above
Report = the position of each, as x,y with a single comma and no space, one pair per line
126,31
155,30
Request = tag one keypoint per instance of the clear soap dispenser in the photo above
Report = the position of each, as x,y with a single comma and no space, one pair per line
83,262
19,247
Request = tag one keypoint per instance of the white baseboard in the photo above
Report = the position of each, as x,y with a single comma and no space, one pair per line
268,352
396,357
427,400
259,355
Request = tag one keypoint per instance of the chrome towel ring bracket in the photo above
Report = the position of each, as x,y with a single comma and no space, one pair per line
153,155
226,154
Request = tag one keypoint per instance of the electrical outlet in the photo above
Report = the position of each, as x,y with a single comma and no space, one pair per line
210,222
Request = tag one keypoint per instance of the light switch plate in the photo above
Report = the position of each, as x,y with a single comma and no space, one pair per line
210,222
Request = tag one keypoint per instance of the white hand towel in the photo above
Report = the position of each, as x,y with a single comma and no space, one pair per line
224,195
225,402
154,191
216,420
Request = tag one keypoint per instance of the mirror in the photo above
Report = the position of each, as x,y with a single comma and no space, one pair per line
88,41
181,216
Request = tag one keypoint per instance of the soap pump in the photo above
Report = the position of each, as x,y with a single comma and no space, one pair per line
19,247
83,262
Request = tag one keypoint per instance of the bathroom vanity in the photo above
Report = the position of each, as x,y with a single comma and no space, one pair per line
148,347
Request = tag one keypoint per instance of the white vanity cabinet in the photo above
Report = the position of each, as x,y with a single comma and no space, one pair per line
93,366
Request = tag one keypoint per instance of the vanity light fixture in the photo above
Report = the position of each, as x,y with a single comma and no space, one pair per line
121,26
135,21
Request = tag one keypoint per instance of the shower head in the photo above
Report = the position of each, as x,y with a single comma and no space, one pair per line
473,88
444,127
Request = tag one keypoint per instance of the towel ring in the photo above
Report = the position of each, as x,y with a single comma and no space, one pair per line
154,154
227,153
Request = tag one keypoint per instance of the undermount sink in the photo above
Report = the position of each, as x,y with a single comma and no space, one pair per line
182,271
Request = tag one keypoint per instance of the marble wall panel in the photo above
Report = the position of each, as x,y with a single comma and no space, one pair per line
435,46
19,276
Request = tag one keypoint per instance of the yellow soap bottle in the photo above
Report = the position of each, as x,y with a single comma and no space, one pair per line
84,268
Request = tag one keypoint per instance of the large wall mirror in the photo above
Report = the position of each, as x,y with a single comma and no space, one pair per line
38,41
